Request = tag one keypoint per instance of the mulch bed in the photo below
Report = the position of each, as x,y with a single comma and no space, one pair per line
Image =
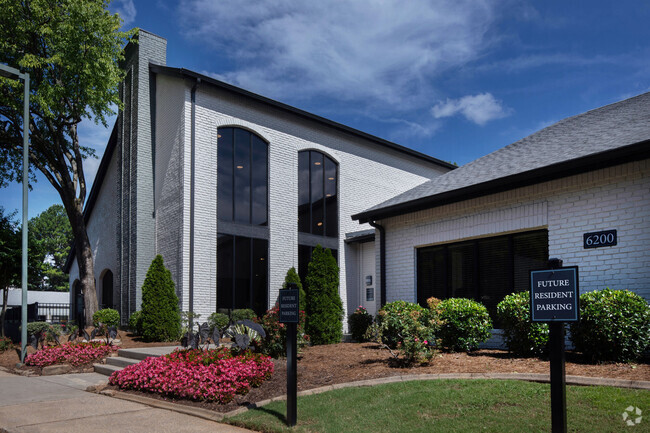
348,362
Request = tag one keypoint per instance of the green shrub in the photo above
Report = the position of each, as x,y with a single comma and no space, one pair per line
242,314
135,323
359,322
409,328
614,326
399,319
464,324
106,316
5,344
324,307
219,321
292,277
38,327
275,342
522,336
161,320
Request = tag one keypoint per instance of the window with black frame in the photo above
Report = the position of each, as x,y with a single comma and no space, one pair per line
242,220
485,270
318,206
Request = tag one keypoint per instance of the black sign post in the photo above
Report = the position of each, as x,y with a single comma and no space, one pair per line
554,298
290,315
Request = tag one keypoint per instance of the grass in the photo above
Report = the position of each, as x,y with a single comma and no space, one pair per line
451,406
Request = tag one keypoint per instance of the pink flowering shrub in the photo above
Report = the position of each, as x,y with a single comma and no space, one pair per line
212,375
70,353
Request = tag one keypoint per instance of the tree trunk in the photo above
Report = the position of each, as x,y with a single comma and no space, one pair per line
5,295
86,266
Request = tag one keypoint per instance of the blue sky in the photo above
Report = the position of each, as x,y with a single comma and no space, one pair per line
453,79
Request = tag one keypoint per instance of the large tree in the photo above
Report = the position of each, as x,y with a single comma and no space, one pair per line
10,260
50,237
71,49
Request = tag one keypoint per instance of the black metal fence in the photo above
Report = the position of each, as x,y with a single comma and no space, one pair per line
44,312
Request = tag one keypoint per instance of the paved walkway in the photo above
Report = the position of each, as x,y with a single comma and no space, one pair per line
60,404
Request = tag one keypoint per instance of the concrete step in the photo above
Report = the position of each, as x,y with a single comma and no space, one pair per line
146,352
119,361
106,369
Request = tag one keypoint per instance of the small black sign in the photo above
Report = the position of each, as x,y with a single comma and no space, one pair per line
554,295
289,306
606,238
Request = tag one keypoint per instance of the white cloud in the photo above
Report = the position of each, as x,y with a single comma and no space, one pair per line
126,10
479,109
382,53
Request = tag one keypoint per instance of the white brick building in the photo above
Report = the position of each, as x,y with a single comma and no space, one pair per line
214,178
477,231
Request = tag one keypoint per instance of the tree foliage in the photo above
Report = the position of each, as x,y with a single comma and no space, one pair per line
161,319
292,277
50,237
71,50
324,307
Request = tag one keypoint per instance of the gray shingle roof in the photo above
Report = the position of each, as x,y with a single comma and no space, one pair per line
576,138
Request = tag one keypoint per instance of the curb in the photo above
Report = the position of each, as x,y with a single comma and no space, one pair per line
527,377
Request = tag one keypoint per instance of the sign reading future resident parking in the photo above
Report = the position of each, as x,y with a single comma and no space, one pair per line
554,295
289,306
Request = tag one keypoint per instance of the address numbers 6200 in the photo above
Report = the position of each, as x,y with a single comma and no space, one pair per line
605,238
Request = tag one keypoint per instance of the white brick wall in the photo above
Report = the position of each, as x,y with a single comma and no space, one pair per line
613,198
367,175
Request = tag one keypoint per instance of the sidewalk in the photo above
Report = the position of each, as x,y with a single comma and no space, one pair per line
61,404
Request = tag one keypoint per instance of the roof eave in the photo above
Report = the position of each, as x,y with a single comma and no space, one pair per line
620,155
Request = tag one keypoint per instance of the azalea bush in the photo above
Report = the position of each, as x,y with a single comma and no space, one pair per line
522,336
409,328
210,375
69,353
464,324
614,326
275,342
359,322
5,344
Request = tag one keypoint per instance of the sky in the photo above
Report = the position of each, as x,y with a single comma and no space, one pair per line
452,79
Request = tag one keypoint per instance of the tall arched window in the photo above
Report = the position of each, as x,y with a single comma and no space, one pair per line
242,220
107,289
318,205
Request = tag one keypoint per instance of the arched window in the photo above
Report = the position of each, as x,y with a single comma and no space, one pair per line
242,220
318,205
107,289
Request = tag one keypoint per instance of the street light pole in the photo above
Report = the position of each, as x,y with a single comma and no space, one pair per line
15,74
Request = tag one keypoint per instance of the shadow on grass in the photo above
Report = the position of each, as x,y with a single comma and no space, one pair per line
279,415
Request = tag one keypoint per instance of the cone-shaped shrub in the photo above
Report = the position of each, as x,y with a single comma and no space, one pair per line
324,308
161,320
292,277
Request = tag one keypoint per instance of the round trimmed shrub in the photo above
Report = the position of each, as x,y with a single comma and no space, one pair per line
106,316
464,324
324,306
38,327
614,326
359,322
219,321
242,314
135,323
523,337
400,320
161,319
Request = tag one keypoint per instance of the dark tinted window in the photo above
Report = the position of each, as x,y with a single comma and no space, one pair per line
242,273
318,209
484,269
242,183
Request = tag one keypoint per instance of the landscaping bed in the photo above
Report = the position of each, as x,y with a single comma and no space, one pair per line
348,362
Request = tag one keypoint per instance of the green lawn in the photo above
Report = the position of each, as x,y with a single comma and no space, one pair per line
453,406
